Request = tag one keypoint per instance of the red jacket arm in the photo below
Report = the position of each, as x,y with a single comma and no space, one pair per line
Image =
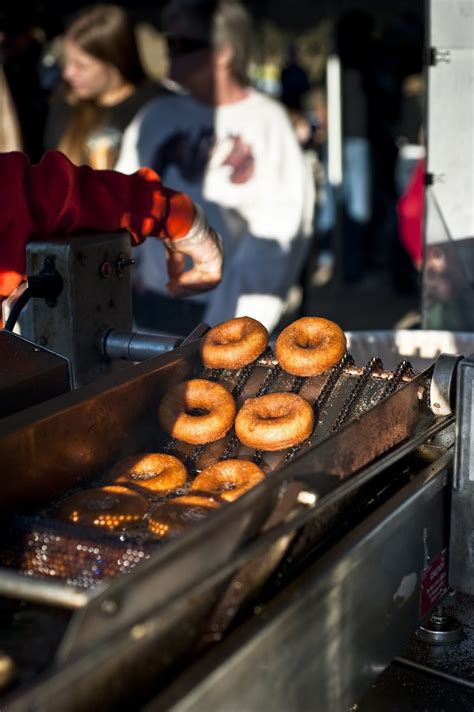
59,198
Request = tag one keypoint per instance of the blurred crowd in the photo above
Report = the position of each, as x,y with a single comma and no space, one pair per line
250,147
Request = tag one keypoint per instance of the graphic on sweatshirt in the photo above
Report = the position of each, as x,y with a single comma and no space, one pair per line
192,155
241,160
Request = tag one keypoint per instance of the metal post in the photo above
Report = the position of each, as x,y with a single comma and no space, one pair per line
448,272
335,163
461,544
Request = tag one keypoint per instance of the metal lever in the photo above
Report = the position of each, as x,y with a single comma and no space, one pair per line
123,263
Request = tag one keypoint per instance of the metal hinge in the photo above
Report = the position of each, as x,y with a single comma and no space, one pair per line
438,56
432,178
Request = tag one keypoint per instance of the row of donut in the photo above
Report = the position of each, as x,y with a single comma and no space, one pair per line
123,503
200,411
307,347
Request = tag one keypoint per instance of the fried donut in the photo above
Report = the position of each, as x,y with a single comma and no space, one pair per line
310,346
111,507
178,419
228,479
275,421
176,515
152,471
234,343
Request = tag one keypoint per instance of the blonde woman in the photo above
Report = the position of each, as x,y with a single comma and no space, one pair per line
104,87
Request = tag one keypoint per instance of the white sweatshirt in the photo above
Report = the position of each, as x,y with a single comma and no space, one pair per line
241,162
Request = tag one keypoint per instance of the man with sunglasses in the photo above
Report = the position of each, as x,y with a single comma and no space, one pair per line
233,150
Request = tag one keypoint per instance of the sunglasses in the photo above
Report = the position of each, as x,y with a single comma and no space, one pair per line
185,45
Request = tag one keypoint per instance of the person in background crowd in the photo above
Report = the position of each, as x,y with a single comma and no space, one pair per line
353,43
233,150
10,134
311,129
396,103
58,198
410,140
410,169
294,81
20,52
105,86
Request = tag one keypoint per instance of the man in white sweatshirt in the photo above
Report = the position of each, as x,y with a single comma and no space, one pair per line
234,152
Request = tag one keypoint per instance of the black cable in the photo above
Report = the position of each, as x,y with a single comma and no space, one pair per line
20,303
48,285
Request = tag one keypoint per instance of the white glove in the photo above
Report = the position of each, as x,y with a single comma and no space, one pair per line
204,246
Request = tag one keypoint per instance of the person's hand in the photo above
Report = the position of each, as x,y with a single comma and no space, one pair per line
204,246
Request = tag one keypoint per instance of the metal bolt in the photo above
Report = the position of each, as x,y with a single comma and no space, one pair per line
105,269
138,632
439,616
109,607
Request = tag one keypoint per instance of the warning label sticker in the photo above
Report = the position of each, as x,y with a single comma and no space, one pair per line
433,583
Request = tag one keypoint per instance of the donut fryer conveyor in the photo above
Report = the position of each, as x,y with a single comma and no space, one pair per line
363,504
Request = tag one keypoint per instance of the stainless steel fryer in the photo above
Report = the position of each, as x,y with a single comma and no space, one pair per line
369,420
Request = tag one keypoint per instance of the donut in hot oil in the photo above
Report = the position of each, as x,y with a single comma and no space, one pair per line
234,343
310,346
154,471
228,479
215,416
178,514
275,421
110,507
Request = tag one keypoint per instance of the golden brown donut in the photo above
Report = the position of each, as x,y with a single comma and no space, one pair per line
310,346
234,343
175,515
228,479
275,421
178,419
152,471
111,507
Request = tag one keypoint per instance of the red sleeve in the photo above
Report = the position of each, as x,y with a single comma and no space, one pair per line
58,198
